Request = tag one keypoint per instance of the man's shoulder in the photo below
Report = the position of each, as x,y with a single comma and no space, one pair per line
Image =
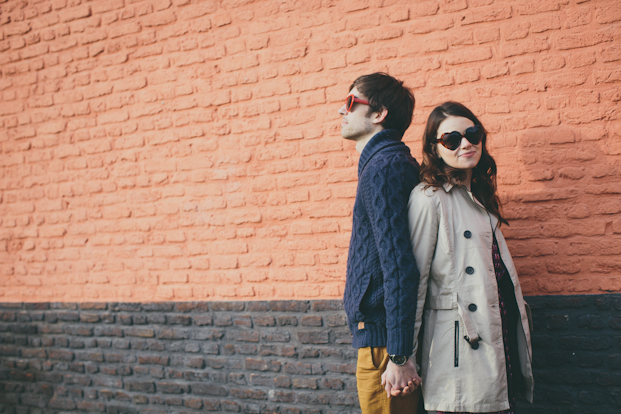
398,171
392,159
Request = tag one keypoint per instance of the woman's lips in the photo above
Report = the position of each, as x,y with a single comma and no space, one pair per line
468,154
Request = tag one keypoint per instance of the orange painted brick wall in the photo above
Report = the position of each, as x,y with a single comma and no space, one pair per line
190,150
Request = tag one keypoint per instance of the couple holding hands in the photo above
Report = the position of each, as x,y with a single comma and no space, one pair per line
432,297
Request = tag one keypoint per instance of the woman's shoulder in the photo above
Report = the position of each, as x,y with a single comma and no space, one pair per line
424,201
426,190
425,196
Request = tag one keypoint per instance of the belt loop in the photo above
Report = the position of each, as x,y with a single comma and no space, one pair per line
472,335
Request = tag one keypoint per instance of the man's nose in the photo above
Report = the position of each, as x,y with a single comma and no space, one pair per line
342,110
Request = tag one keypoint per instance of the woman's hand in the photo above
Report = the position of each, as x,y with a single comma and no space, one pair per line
400,380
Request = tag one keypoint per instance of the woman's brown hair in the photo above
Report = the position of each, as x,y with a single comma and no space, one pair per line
435,172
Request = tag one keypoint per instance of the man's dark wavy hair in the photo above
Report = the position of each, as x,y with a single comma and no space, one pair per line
385,92
434,171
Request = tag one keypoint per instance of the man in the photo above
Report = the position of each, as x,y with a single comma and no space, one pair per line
382,277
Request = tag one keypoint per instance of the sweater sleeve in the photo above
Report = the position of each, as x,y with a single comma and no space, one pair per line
386,190
423,223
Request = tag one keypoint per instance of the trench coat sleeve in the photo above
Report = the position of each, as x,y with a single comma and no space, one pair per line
423,220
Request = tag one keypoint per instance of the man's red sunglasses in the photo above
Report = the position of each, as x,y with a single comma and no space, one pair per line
351,99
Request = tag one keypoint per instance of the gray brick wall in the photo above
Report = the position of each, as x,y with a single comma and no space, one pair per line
285,357
251,357
576,354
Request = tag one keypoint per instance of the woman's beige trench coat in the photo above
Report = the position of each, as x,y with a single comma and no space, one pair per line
452,237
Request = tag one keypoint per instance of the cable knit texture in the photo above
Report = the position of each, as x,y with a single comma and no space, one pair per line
382,277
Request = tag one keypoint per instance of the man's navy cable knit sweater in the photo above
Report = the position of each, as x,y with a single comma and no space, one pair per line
382,277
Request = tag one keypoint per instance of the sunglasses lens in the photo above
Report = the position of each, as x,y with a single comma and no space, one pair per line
474,135
349,103
451,140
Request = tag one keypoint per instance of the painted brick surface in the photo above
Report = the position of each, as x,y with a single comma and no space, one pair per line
190,150
288,357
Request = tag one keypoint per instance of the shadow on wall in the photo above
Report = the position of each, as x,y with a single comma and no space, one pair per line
558,165
564,215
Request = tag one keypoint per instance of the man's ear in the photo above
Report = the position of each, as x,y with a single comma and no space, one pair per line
378,117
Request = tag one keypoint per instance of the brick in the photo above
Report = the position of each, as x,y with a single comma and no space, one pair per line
140,386
486,35
60,354
607,13
107,6
283,396
474,56
494,71
311,320
375,35
342,368
208,389
35,51
399,14
203,320
487,15
79,330
608,76
159,19
289,306
544,24
331,383
172,388
227,306
140,332
118,31
530,45
428,25
62,404
314,337
262,365
248,394
264,320
275,336
577,41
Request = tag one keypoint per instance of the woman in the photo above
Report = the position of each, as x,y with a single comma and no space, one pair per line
476,341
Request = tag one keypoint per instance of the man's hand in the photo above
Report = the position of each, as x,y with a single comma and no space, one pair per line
400,380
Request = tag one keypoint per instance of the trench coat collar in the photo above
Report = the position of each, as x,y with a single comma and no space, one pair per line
381,140
449,186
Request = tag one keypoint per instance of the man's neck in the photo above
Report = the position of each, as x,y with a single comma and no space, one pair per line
363,141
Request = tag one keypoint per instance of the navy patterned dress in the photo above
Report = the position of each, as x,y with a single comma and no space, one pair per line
509,314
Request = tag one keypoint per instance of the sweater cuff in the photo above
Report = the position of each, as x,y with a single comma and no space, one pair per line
400,342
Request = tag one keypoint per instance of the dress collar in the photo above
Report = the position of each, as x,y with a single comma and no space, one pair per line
381,140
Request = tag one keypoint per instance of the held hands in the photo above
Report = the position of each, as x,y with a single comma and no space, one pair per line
400,380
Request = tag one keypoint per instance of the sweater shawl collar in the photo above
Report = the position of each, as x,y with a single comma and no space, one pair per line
383,139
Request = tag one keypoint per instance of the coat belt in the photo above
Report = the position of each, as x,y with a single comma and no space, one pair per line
451,301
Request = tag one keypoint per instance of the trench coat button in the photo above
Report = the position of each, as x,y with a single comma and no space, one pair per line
475,345
470,270
467,234
472,307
